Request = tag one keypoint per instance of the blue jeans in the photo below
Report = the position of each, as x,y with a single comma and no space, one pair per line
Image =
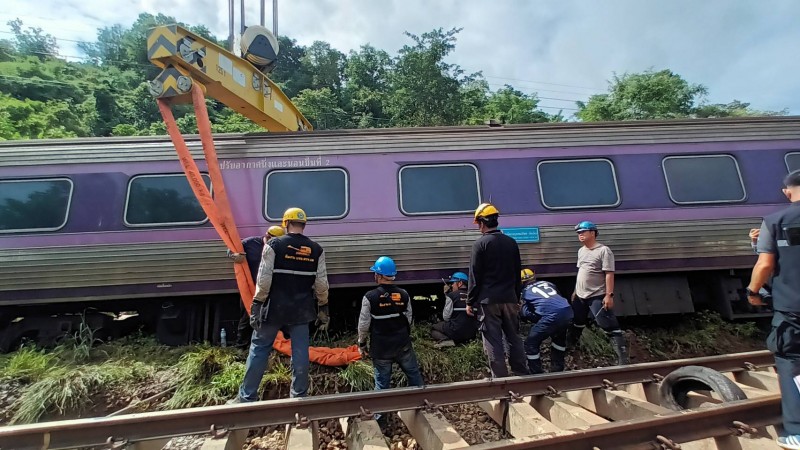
407,360
257,360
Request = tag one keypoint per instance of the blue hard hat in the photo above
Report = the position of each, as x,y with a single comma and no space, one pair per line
458,276
384,266
585,226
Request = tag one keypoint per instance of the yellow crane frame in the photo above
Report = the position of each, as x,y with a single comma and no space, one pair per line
187,58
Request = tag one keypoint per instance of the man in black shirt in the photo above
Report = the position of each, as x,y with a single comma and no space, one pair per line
493,293
253,248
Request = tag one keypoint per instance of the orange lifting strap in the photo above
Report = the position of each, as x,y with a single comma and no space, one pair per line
218,210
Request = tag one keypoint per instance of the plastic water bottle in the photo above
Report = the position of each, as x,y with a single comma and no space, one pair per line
223,341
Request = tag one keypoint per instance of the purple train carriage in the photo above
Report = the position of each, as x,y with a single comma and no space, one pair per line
110,224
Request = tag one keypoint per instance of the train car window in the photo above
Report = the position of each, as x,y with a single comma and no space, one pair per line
163,200
321,193
34,205
792,161
578,183
439,188
700,179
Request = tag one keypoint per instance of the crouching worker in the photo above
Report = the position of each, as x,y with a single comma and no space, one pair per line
551,314
386,318
457,327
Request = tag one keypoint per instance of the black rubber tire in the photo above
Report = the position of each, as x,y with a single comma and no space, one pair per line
676,386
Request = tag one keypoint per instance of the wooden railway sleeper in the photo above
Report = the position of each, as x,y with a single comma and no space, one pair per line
666,443
741,428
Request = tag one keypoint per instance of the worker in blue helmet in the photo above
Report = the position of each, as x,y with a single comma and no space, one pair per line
386,319
594,291
457,326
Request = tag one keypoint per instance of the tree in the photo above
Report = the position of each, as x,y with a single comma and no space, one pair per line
321,108
367,85
426,91
733,109
33,41
646,95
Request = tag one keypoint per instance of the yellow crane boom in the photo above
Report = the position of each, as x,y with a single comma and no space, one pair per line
187,58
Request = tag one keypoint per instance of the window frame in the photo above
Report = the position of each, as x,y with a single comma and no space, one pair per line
786,160
613,175
162,224
436,213
704,202
315,169
66,215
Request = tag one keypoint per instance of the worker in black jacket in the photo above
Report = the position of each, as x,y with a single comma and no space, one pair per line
457,326
253,249
493,293
779,256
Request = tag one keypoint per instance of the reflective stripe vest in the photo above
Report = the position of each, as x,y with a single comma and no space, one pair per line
389,330
291,297
462,326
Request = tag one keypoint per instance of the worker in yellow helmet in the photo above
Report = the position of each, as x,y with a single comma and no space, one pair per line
253,248
292,282
493,293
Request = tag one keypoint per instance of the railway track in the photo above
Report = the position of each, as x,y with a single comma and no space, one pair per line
606,408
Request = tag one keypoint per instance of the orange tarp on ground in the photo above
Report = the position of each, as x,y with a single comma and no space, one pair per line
218,210
325,356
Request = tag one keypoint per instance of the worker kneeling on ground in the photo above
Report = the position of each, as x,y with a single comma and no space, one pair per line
458,326
551,315
386,318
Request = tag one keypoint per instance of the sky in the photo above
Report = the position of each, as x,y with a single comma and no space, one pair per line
564,50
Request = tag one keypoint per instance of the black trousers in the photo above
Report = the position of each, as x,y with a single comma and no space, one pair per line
784,341
498,321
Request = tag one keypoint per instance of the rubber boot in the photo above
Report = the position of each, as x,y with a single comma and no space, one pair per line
557,360
574,336
535,366
621,348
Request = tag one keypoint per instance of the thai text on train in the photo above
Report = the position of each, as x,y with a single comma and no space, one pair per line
308,161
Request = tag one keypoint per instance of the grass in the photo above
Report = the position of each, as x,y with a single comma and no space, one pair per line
700,333
205,376
595,343
27,365
72,390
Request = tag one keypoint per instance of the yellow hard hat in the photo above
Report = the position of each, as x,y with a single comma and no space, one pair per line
485,210
527,275
293,215
275,231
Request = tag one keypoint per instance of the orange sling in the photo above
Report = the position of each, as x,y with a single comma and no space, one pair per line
218,210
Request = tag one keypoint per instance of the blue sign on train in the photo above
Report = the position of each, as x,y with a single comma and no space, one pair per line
522,235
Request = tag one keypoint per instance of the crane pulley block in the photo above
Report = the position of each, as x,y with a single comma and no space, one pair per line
186,59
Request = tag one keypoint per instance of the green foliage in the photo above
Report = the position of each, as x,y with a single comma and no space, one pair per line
27,365
44,96
657,95
206,376
72,390
594,343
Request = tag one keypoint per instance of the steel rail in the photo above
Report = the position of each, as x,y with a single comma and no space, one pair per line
154,425
678,428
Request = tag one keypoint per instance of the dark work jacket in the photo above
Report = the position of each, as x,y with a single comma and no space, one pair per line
494,270
253,248
786,277
462,326
389,329
541,301
291,297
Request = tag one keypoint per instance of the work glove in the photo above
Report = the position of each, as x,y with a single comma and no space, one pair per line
258,314
236,257
362,349
322,318
447,288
